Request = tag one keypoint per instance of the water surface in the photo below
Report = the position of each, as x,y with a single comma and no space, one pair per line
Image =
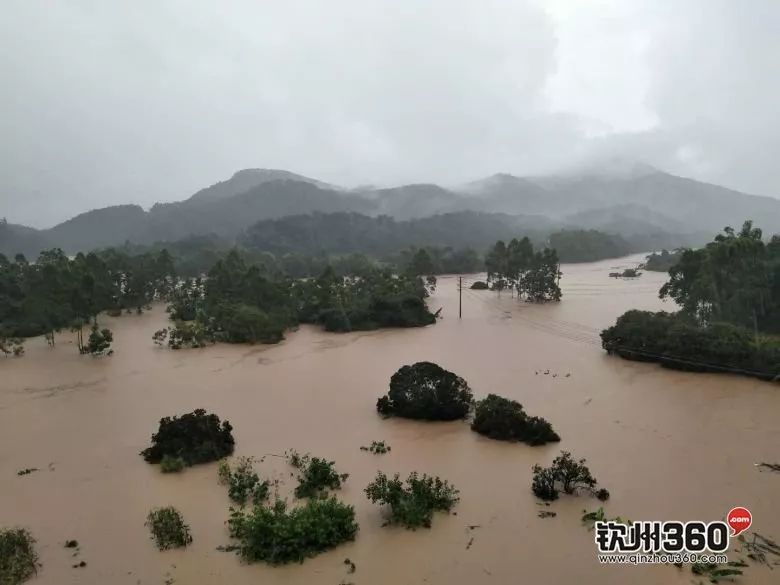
668,445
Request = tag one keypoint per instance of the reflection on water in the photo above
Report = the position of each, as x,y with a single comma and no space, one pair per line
668,445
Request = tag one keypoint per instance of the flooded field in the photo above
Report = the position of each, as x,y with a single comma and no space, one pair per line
668,445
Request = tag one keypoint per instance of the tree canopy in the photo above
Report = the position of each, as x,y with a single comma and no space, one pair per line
426,391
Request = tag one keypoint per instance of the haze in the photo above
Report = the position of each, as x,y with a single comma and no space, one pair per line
144,102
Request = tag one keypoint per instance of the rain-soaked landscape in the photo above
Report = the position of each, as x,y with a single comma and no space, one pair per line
667,444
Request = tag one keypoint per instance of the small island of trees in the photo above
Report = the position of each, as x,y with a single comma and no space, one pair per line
426,391
503,419
533,274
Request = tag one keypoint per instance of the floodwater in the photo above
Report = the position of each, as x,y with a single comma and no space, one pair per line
668,445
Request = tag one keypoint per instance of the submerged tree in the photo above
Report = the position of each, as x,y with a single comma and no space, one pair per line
499,418
426,391
195,437
567,474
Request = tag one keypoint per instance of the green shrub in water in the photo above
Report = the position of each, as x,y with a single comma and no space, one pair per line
274,535
243,482
412,504
18,559
171,464
168,528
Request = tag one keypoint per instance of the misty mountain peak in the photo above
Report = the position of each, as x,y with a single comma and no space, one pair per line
247,179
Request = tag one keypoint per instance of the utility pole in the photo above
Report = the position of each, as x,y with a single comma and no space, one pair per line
460,297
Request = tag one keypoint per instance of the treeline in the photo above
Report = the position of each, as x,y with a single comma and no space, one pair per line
56,292
517,266
241,302
588,245
729,294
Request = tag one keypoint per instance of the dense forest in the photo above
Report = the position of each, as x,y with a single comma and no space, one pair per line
729,294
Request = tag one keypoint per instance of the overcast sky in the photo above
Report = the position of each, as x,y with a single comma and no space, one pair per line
144,101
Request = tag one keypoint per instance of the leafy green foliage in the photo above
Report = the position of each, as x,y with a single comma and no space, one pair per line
170,464
11,345
714,572
243,482
534,274
676,341
56,292
500,418
426,391
195,437
565,472
377,448
99,341
412,504
168,528
316,476
18,558
274,535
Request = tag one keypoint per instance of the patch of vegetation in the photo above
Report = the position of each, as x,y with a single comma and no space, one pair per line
601,516
27,471
426,391
71,544
713,571
98,342
533,274
676,341
243,482
413,504
500,418
566,474
18,558
479,285
274,535
171,464
316,477
377,448
195,437
662,262
168,528
11,345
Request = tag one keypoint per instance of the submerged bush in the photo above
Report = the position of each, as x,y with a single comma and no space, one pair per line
168,528
275,535
243,482
170,464
195,437
479,285
377,448
566,473
426,391
18,559
99,341
412,504
500,418
316,477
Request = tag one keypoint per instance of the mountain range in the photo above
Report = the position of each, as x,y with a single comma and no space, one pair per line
642,202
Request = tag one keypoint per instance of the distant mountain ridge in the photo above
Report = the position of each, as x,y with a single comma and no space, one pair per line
629,200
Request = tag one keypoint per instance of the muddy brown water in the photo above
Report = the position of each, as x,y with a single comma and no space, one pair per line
668,445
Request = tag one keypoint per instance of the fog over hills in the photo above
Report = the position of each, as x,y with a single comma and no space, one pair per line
631,200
